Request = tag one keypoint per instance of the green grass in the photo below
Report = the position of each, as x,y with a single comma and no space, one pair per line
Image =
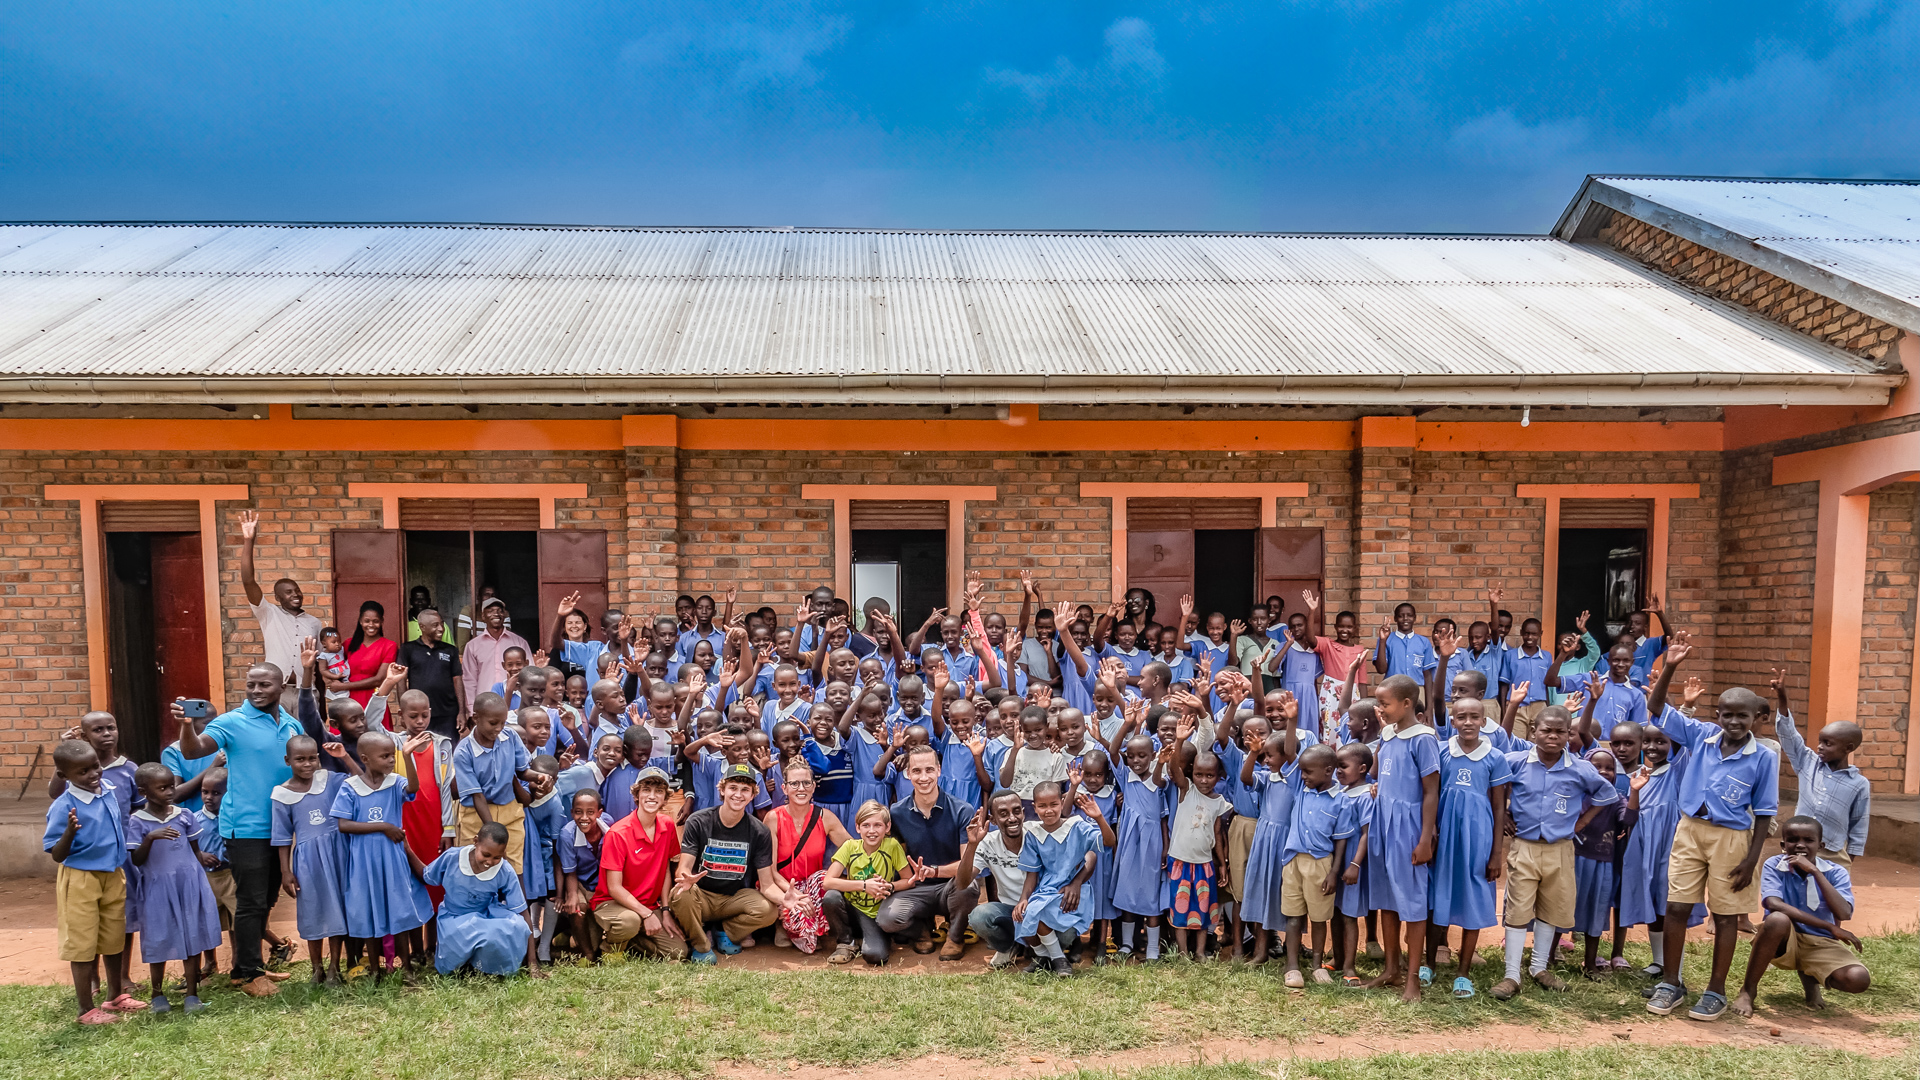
630,1019
1611,1063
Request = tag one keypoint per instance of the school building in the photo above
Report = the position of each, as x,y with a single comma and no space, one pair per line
1696,389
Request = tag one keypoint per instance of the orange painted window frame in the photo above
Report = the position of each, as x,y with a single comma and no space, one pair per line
1121,492
1657,536
1847,476
391,494
93,568
956,496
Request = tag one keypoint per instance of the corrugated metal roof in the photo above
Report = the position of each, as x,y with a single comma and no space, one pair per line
1856,240
427,312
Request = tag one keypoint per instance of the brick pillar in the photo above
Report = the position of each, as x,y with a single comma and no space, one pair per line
1382,517
651,577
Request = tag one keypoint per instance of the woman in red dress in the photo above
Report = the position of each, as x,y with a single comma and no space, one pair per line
369,653
803,834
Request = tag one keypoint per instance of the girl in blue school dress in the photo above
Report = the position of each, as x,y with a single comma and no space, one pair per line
1356,820
1093,778
1265,771
1474,777
1140,850
1643,868
1399,887
546,816
179,919
1300,671
1057,855
313,854
1595,888
384,897
482,917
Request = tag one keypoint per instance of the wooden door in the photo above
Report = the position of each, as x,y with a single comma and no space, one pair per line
572,560
1161,562
369,564
179,624
1291,560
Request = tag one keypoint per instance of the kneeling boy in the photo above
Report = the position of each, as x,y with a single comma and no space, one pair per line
1806,898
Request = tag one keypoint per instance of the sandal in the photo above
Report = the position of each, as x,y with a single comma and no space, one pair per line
1352,982
843,954
99,1016
1426,975
1462,988
125,1003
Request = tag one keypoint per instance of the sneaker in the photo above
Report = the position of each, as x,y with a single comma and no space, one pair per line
1549,981
192,1004
997,963
1653,971
1504,990
1666,998
1711,1006
1038,965
724,944
159,1005
705,958
1062,966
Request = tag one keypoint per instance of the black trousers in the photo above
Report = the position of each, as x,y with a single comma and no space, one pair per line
256,884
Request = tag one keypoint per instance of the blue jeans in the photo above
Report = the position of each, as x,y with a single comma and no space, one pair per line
994,923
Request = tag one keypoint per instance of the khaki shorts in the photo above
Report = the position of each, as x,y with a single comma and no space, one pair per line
221,882
90,919
621,925
1523,719
1302,888
1814,956
1239,846
512,815
1539,883
1840,857
1702,864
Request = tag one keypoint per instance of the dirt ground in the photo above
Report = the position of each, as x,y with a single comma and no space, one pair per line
1886,894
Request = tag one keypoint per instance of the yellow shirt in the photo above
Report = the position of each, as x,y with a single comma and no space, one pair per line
859,864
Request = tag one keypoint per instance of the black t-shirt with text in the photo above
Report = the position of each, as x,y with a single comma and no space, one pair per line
732,855
432,670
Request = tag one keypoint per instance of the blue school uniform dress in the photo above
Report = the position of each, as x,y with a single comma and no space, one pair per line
1619,703
833,789
303,821
1058,857
1140,855
1643,866
772,713
383,896
545,817
1462,895
958,777
116,779
1266,857
580,856
178,915
1300,676
1136,659
995,757
1356,813
480,921
864,751
1595,888
184,770
1097,894
1405,759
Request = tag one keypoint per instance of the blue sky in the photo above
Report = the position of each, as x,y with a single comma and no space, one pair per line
1288,115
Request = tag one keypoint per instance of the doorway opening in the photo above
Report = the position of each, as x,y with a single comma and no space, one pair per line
156,616
457,548
1225,572
1602,571
1217,550
905,567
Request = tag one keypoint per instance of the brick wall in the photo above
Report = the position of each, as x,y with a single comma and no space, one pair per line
1749,286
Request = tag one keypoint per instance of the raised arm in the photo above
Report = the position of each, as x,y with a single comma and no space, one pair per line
249,527
1677,652
1309,639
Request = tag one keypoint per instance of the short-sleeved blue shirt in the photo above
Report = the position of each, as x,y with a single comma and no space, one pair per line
255,743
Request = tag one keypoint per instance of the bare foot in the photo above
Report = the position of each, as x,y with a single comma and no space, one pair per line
1411,994
1816,998
1387,978
1742,1005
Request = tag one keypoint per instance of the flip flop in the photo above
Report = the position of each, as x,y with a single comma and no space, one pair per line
1352,982
1426,975
1463,988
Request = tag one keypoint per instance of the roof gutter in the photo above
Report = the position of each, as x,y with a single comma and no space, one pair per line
1600,389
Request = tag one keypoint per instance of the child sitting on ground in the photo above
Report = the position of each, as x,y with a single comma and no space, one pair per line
1806,898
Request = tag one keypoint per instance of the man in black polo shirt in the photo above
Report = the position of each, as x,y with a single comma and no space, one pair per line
433,668
932,826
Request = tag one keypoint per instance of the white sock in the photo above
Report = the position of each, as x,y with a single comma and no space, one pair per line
1002,957
549,916
1658,939
1124,931
1543,937
1516,941
1153,943
1049,946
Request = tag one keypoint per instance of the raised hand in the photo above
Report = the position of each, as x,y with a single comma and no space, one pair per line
1681,648
1596,684
422,741
1568,644
1640,777
309,652
249,523
1580,624
334,750
1026,582
1691,690
567,604
1518,696
977,826
1312,601
1236,627
1359,661
540,658
1779,680
1083,802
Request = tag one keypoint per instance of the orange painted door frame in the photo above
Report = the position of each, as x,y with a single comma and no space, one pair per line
1847,476
1662,496
956,496
1120,493
93,582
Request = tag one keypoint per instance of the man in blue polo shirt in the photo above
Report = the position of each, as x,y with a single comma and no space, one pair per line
932,826
254,738
1526,665
1730,788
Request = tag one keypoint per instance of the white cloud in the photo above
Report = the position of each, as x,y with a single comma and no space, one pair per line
1131,64
750,53
1503,140
1130,45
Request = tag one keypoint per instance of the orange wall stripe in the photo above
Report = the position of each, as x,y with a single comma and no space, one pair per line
310,435
1569,437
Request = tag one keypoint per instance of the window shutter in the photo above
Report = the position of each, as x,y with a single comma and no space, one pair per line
1162,515
1606,513
897,514
1160,562
1291,561
368,564
572,561
479,515
155,516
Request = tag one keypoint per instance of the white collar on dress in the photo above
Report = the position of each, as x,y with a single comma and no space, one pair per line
116,762
172,812
1482,749
1146,780
281,793
1407,732
1039,835
1662,770
465,863
544,799
362,788
1357,789
1103,792
86,796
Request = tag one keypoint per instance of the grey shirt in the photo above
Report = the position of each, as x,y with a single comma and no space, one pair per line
1839,799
